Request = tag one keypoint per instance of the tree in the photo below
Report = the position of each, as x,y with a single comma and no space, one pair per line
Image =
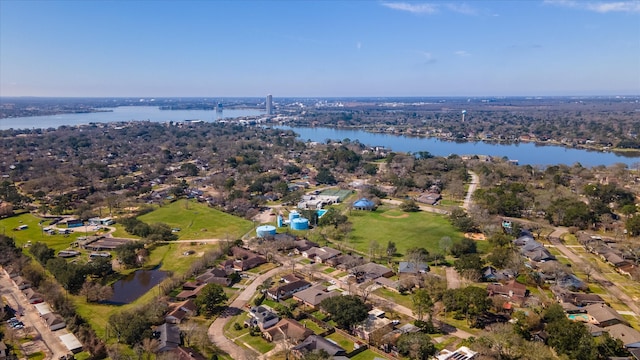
463,246
571,339
416,346
461,221
445,244
211,299
345,310
500,257
391,249
422,303
409,205
374,247
324,176
632,225
469,266
321,354
41,252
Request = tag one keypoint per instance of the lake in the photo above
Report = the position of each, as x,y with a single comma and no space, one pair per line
124,113
525,153
134,285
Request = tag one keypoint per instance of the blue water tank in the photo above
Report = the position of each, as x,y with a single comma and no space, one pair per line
293,215
279,221
300,224
265,230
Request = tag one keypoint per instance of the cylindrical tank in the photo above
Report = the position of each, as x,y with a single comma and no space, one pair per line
279,221
265,230
293,215
300,224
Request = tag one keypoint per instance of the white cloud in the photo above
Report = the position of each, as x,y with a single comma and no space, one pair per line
412,8
429,59
462,53
462,9
599,7
358,45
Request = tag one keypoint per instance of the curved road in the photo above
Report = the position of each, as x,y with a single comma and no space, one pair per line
216,330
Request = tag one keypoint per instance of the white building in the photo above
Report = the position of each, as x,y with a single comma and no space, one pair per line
269,104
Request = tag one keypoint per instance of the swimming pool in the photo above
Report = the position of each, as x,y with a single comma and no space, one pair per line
321,212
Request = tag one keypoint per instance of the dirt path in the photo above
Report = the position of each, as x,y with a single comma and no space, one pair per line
475,180
216,330
422,207
453,278
612,287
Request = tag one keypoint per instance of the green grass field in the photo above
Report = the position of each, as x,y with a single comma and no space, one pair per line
198,221
34,232
419,229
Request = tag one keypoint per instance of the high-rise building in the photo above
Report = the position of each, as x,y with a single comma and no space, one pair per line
269,104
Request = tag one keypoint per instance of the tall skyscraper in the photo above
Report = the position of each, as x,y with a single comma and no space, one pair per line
269,104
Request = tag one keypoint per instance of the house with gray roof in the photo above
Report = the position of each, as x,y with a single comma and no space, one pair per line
315,342
412,268
314,295
168,336
603,316
629,336
261,316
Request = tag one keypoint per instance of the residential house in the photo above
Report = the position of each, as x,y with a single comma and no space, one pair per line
322,254
314,295
315,342
629,336
371,271
603,316
287,329
32,296
54,321
180,311
303,245
245,259
491,274
511,289
462,353
189,291
181,353
285,291
214,276
429,198
168,336
389,341
406,268
371,324
21,282
578,299
345,262
261,316
388,283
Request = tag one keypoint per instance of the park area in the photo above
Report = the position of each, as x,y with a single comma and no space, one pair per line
198,221
406,229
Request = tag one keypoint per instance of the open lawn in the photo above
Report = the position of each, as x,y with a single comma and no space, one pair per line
387,223
34,232
311,325
341,340
368,355
198,221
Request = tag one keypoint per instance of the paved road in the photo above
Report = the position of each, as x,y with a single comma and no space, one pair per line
611,287
475,180
51,344
216,330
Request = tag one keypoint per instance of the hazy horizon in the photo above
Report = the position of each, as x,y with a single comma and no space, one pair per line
319,49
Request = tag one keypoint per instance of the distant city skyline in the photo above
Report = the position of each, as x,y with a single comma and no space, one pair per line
319,48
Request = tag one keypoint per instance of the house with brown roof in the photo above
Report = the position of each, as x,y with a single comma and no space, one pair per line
286,290
578,299
511,289
371,271
303,245
629,336
321,254
603,316
214,276
245,259
429,198
317,343
53,321
190,293
180,311
314,295
32,296
287,329
345,262
181,353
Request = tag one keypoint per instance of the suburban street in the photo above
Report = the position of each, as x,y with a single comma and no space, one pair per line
46,340
611,287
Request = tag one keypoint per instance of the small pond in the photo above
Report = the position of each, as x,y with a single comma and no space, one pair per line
134,285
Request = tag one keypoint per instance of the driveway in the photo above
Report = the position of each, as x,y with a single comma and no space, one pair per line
216,330
475,180
46,339
453,278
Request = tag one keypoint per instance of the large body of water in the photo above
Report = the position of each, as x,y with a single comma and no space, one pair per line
525,153
124,113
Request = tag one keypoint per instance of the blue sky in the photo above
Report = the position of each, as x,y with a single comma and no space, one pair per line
319,48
